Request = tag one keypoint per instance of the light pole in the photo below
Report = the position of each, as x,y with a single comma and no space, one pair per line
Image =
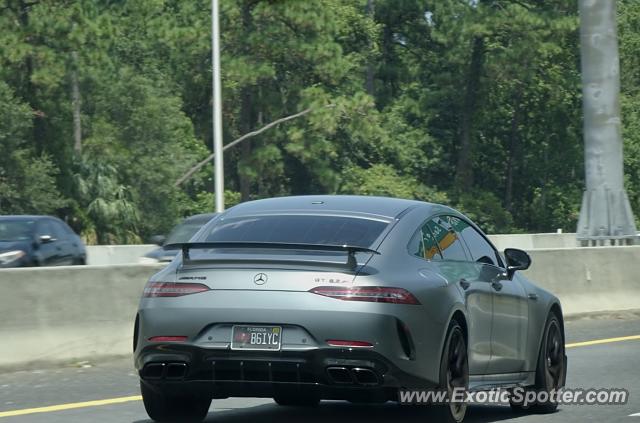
217,108
605,216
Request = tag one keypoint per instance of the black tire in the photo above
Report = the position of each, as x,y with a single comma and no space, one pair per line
174,409
550,369
296,399
454,373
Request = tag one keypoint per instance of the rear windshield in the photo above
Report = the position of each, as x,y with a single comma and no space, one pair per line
324,230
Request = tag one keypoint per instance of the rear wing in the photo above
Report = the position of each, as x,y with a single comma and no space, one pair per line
351,250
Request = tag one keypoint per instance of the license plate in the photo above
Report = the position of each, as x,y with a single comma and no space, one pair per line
264,338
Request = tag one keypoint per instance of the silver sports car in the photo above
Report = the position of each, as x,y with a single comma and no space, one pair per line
344,298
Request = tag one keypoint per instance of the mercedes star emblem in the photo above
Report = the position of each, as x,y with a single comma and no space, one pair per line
260,279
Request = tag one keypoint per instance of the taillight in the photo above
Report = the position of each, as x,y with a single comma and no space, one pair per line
349,344
168,339
376,294
172,289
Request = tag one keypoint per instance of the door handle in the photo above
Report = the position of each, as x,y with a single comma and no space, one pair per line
496,285
533,297
464,284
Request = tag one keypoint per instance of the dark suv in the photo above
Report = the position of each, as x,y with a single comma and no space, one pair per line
39,241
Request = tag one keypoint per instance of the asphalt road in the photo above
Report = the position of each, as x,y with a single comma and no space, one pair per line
606,365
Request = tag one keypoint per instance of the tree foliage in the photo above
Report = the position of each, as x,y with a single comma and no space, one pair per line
471,103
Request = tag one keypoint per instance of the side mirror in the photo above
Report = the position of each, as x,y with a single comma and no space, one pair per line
158,239
46,239
516,260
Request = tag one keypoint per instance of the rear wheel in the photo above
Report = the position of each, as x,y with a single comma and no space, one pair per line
550,369
454,373
173,409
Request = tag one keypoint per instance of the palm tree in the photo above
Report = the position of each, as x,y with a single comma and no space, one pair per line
106,202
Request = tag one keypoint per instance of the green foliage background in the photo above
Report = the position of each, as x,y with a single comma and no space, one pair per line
475,104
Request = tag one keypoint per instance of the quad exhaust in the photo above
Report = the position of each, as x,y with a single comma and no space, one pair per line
364,376
352,376
167,371
339,375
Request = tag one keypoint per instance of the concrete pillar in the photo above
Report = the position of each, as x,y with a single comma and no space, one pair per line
605,213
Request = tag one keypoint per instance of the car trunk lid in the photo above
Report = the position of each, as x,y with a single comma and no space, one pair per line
271,269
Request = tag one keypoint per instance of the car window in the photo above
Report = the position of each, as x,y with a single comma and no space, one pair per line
16,230
297,229
59,231
447,239
68,229
424,245
481,250
45,228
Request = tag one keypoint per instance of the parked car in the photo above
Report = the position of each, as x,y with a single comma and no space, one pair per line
344,298
180,233
39,241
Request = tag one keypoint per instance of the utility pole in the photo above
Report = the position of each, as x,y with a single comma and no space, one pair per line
76,105
217,108
605,216
370,10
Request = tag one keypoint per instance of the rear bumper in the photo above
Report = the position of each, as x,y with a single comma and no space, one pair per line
345,374
406,336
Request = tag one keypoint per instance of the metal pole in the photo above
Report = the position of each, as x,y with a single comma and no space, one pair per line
605,216
217,108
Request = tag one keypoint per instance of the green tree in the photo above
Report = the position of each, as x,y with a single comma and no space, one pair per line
106,204
104,105
27,180
629,45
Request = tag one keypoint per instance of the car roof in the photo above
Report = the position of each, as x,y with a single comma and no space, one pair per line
350,204
26,217
200,218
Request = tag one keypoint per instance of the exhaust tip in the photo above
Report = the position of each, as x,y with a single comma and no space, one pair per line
153,371
176,370
340,375
365,376
164,371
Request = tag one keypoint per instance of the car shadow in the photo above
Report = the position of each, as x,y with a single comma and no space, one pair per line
344,412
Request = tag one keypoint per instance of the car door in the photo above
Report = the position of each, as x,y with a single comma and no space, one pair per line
456,266
64,243
510,307
46,241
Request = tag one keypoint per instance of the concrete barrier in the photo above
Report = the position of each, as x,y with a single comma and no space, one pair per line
534,241
68,314
117,254
65,314
589,279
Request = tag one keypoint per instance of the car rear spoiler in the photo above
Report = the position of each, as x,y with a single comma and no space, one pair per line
351,250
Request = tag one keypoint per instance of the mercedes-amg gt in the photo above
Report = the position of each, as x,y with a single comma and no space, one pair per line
353,298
